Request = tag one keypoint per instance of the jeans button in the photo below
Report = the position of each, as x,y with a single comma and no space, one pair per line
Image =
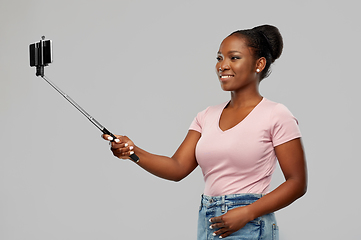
211,201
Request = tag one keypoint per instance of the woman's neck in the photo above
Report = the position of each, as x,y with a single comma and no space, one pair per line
240,100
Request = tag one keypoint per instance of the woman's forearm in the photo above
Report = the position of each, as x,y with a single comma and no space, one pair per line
162,166
174,168
282,196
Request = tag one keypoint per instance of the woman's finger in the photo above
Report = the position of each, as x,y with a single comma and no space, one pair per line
121,146
107,137
216,219
122,150
110,138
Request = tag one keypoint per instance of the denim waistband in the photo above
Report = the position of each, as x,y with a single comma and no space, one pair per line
228,200
241,196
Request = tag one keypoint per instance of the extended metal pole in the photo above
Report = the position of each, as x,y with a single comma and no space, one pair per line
134,157
40,58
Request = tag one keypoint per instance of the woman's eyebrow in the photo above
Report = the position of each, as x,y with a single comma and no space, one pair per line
233,51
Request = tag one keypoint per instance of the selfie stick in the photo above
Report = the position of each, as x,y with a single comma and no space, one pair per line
40,56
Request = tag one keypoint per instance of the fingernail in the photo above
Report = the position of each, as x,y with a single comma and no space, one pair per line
214,234
211,227
131,152
110,138
126,145
210,220
220,236
116,140
131,148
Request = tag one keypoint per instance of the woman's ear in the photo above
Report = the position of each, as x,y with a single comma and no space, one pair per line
261,64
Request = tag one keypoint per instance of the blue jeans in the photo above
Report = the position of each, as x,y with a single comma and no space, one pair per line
264,227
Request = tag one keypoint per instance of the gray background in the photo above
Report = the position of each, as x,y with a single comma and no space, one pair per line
144,69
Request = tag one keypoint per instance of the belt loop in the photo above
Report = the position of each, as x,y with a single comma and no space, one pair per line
223,204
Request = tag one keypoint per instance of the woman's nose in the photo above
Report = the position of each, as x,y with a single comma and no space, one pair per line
222,66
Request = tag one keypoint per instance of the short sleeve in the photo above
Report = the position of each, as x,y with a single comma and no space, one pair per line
284,125
198,121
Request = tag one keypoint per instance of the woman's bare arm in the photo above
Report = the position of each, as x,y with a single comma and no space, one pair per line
174,168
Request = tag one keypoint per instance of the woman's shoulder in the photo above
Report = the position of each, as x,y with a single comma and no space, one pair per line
275,107
214,108
278,112
211,111
270,103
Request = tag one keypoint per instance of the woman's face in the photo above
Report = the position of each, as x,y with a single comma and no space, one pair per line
236,66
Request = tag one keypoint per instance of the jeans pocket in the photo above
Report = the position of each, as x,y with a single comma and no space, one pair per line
275,232
252,230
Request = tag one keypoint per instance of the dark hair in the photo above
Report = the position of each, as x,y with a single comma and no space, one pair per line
266,41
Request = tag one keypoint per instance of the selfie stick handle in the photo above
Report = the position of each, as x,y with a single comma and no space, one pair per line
134,157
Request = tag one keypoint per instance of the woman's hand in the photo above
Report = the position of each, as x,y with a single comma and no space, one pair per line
122,147
230,222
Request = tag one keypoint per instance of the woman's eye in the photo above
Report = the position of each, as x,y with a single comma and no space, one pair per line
218,59
235,58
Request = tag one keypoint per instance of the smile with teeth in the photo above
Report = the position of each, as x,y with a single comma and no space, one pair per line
225,76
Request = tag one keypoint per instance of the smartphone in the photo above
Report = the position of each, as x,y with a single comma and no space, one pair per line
41,53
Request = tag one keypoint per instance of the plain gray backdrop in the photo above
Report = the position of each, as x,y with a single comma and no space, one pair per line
145,69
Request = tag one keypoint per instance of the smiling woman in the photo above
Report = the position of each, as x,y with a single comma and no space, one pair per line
265,42
249,52
237,145
236,66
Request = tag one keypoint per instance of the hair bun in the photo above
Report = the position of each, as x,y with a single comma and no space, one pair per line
274,39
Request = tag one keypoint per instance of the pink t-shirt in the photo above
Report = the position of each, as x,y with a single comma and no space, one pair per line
242,159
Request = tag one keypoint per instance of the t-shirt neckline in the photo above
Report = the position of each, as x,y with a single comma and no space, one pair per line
235,126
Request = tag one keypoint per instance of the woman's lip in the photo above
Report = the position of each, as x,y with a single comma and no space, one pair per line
225,77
